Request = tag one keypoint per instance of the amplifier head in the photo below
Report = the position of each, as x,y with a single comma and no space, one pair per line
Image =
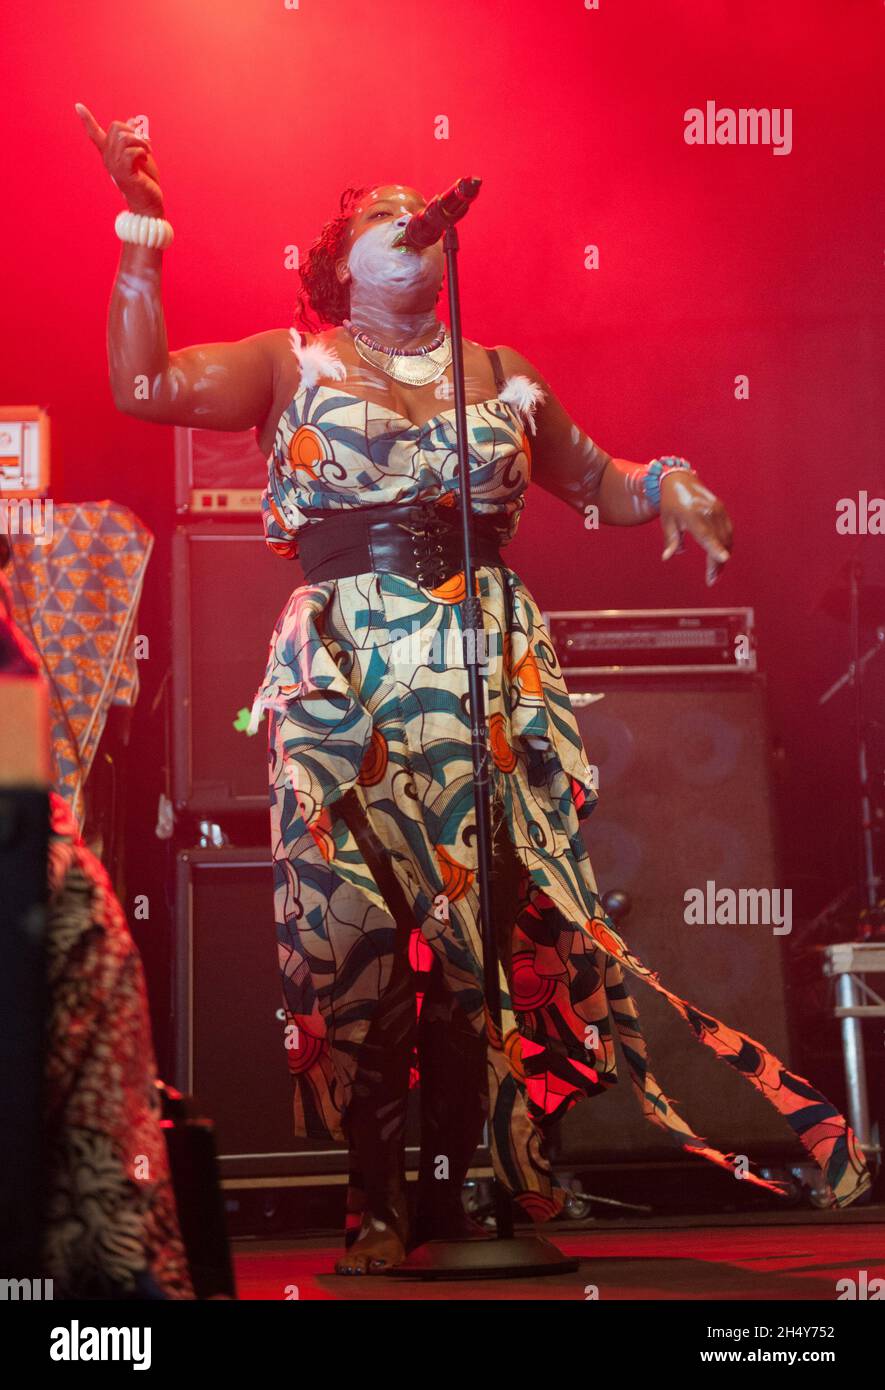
650,641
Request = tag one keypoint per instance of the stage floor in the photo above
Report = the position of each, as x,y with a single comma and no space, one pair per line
802,1255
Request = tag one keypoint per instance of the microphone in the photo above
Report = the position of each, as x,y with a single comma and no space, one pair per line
424,228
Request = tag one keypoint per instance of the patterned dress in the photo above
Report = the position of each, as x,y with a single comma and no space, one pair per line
111,1226
366,690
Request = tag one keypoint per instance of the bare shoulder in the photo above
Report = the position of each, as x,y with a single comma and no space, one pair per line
282,346
260,355
327,337
514,364
274,343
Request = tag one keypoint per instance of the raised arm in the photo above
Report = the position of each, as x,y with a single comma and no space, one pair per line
214,385
568,464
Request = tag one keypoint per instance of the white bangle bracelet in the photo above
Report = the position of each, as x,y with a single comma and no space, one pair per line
141,230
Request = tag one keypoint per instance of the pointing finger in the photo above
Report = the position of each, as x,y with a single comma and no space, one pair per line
93,129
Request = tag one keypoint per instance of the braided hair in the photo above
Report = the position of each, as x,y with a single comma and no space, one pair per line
322,298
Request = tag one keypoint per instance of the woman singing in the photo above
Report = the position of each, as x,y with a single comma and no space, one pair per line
372,815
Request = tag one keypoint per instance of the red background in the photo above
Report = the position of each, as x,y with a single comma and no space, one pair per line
714,261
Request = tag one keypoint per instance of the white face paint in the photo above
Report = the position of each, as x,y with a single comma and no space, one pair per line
212,376
393,290
377,266
177,380
131,284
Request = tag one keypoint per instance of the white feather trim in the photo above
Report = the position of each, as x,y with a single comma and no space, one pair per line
316,361
260,704
525,395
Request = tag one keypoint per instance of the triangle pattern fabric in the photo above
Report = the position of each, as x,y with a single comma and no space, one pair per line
77,598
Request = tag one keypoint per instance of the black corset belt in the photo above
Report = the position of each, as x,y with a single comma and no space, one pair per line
421,542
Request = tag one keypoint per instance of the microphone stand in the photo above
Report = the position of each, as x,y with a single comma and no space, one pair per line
505,1255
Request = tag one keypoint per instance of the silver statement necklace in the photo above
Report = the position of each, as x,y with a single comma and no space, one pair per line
408,366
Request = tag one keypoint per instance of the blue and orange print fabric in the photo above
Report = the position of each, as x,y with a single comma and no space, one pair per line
366,691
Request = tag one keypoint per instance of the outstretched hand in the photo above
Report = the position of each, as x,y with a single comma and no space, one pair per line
689,508
129,161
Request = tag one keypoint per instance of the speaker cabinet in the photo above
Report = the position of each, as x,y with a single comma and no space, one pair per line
685,799
228,589
230,1051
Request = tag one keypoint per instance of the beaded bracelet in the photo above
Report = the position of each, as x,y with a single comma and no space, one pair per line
655,474
141,230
